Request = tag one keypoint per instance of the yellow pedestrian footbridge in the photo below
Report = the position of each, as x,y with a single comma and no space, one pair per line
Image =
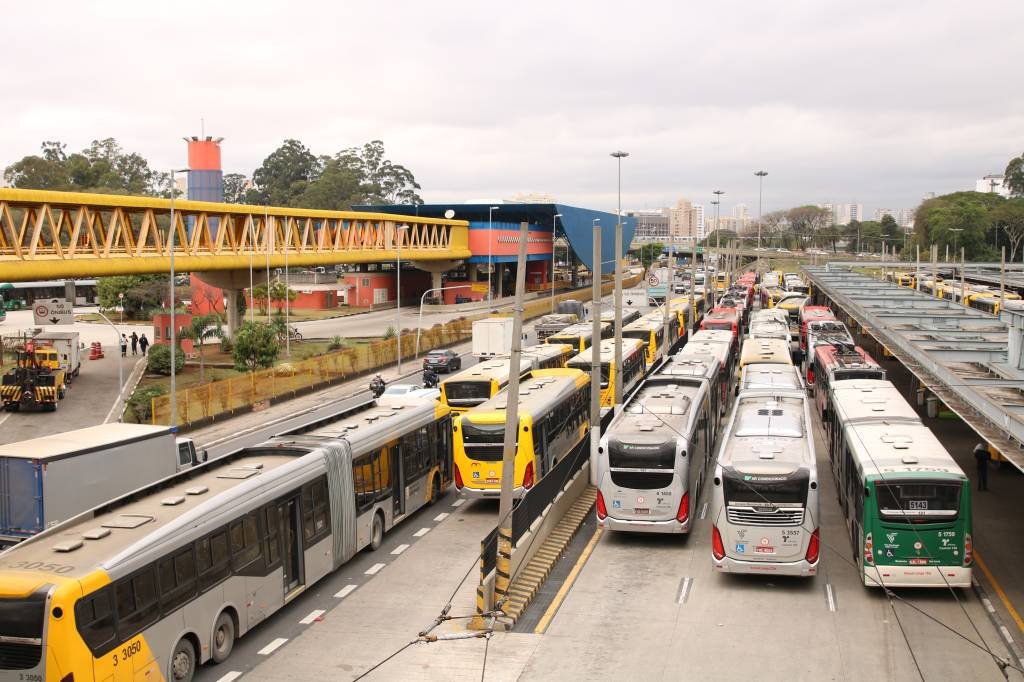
56,235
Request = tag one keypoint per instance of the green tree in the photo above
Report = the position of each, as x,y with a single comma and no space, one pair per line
279,293
203,328
649,253
158,359
284,175
1013,176
805,221
103,166
259,297
141,402
955,220
337,188
1009,217
234,188
255,346
142,293
382,182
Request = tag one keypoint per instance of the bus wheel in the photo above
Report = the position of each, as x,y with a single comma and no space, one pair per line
183,661
435,489
223,637
377,532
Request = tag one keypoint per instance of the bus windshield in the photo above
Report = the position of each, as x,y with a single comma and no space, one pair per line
758,491
467,392
483,442
727,326
918,501
584,365
641,334
641,455
843,374
22,618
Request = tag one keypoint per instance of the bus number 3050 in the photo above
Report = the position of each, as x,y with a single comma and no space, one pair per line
129,651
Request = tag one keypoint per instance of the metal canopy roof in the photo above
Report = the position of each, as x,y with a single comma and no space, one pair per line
958,352
576,223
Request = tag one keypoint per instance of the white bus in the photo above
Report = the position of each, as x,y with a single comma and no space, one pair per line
653,459
153,584
722,345
764,501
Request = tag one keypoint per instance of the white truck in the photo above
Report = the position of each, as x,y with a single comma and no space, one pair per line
492,336
50,479
68,348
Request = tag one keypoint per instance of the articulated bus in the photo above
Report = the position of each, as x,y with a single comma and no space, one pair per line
157,582
653,332
685,310
907,504
812,313
774,377
479,383
579,335
653,458
791,302
764,352
720,345
828,332
764,501
628,315
722,318
838,362
554,417
547,355
634,354
771,295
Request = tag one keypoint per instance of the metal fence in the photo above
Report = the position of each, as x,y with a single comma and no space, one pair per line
222,397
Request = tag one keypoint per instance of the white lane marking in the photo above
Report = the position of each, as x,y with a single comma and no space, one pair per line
459,502
1006,634
441,517
398,550
704,511
345,591
272,647
831,599
421,532
8,416
988,605
233,675
684,591
375,569
313,615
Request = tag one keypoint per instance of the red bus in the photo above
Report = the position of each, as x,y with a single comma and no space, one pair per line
727,319
840,362
812,313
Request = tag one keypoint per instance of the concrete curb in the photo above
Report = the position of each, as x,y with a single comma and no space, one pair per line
134,377
997,622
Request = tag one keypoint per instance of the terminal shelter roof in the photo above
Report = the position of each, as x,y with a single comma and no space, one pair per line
575,222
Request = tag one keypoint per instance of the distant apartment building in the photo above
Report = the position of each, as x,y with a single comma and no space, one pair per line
905,217
683,221
992,184
652,224
698,210
844,214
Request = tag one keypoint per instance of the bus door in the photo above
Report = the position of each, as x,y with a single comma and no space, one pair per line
398,481
291,536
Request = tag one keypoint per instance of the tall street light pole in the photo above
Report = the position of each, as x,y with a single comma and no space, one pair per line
617,390
760,186
554,228
490,265
718,243
398,292
174,327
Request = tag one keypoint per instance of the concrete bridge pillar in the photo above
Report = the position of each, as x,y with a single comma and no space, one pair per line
234,283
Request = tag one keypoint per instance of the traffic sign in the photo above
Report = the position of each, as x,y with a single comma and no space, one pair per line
53,311
653,280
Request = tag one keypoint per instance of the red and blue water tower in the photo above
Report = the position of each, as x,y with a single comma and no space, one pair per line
206,179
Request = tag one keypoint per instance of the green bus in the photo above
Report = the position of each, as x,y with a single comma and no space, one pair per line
906,502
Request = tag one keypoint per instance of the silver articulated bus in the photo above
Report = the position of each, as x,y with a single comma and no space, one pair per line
722,345
764,501
654,456
155,583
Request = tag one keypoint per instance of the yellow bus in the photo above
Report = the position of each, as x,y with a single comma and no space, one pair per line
479,383
658,337
634,366
156,583
683,309
765,351
579,335
554,417
722,281
548,355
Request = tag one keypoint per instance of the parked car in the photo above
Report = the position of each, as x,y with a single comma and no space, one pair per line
402,389
442,360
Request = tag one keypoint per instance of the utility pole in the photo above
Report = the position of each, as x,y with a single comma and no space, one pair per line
595,355
617,389
693,289
760,190
718,242
503,562
917,269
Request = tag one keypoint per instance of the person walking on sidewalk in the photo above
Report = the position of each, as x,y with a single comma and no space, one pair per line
124,346
981,456
135,343
143,343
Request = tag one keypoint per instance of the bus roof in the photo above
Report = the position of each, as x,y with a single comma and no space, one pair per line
773,351
865,400
769,329
695,366
607,352
844,356
771,377
712,336
584,329
649,322
81,441
816,312
537,394
659,411
499,369
769,434
882,449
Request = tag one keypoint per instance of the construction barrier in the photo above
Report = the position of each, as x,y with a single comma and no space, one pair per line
289,378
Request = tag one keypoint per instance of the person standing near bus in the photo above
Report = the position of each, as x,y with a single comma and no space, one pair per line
135,343
981,456
124,345
143,343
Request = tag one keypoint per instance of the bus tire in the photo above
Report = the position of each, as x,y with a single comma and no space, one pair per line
183,661
377,532
435,489
223,640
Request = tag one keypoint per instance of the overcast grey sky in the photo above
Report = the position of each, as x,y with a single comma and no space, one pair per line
874,102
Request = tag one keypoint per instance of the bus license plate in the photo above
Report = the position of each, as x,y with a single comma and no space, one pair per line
764,550
491,480
641,510
918,562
